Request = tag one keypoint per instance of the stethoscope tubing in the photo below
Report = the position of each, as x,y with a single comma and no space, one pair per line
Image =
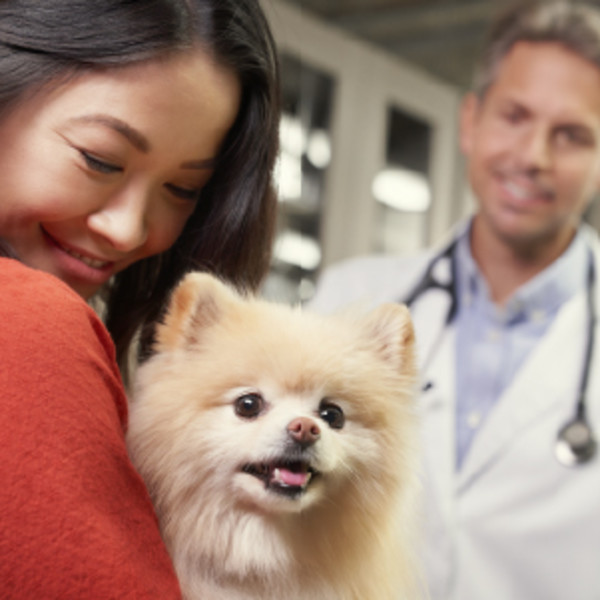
429,282
576,443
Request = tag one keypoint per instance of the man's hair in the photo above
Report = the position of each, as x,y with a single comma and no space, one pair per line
573,24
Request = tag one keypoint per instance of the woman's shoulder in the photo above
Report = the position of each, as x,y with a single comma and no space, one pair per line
63,413
20,282
46,323
45,302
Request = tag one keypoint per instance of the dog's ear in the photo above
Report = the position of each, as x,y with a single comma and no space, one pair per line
390,329
198,302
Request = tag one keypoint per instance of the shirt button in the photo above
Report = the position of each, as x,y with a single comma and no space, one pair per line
514,306
493,335
473,419
537,315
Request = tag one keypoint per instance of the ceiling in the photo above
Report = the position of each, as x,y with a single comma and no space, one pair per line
441,36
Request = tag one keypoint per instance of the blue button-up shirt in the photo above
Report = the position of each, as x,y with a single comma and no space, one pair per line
493,341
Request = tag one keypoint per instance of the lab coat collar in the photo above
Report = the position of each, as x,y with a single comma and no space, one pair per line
537,388
436,407
548,376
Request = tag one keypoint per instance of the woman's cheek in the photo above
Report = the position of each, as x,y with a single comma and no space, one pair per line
167,227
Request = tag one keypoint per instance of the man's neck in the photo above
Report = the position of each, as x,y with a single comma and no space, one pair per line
507,265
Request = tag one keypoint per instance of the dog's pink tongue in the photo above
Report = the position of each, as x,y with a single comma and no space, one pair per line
291,478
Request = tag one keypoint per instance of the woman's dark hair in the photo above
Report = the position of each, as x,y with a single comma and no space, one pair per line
231,230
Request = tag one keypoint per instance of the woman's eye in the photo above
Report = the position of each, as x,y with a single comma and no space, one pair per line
99,165
249,406
190,194
332,414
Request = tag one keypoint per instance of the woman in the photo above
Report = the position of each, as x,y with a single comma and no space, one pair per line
137,142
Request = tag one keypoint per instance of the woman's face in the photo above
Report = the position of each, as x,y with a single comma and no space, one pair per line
104,170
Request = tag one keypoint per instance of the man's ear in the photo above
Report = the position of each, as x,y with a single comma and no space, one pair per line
596,195
468,115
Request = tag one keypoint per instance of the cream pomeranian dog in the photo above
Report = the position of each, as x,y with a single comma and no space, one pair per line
279,448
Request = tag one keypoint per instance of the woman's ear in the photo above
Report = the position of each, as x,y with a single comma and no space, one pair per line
468,115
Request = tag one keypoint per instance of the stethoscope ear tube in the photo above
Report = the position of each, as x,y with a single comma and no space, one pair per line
429,282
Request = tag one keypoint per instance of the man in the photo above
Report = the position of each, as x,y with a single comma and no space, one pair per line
504,345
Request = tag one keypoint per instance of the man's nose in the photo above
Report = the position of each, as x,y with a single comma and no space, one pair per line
535,149
122,220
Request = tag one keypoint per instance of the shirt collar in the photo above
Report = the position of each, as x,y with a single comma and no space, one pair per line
540,297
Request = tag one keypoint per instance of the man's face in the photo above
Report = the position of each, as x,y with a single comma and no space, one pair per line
533,145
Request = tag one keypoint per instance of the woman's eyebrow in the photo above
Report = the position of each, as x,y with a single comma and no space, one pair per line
136,138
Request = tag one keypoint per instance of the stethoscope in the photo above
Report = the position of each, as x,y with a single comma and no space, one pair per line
575,442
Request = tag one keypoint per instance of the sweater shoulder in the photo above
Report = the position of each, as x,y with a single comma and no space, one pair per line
19,283
33,300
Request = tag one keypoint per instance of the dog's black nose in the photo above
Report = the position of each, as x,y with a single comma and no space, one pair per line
304,431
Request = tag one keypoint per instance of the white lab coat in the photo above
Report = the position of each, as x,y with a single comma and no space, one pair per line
512,524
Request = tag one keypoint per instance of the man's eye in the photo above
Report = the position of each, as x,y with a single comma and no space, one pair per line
190,194
98,165
513,116
574,136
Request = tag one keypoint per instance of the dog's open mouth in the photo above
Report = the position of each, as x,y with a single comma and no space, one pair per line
289,478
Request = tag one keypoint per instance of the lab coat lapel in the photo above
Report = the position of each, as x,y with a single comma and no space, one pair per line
549,375
436,403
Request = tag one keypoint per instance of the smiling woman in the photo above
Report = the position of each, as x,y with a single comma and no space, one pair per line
114,184
137,140
144,145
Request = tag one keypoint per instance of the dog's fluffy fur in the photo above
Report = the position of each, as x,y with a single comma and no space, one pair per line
278,447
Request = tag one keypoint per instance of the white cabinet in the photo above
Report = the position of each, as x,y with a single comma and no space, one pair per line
374,112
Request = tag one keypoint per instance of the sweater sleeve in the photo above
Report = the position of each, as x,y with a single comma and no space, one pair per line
76,521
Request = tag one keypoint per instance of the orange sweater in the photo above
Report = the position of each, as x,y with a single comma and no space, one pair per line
75,518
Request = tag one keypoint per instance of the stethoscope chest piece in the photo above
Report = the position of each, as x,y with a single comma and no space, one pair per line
575,443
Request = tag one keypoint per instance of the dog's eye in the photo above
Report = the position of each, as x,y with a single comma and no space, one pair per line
249,406
332,414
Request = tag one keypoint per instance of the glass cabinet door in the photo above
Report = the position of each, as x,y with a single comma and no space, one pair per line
402,188
305,154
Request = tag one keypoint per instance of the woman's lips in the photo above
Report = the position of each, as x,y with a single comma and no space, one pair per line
90,262
86,259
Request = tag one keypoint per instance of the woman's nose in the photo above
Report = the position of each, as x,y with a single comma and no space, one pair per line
122,221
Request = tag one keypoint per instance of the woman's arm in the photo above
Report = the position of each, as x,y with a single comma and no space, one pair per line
75,518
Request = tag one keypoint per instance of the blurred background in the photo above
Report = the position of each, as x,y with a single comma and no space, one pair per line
370,159
442,37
